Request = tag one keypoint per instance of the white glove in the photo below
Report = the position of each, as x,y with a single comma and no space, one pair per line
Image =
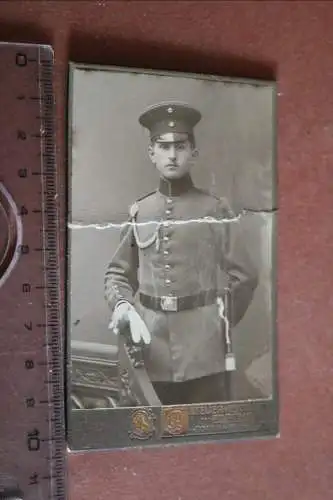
125,315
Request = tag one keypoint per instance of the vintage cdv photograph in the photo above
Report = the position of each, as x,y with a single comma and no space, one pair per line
171,303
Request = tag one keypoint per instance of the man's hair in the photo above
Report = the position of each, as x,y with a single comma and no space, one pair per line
190,138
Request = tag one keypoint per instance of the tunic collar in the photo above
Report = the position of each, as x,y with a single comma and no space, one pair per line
175,187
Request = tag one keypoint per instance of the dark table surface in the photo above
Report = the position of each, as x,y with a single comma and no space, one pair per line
292,42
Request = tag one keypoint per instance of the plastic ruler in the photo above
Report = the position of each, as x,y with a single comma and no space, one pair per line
32,437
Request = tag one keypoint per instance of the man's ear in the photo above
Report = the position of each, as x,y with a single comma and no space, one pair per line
195,153
151,152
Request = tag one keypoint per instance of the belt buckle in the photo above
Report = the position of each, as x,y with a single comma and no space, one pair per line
169,303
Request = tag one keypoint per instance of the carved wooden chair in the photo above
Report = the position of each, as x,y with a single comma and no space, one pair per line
109,376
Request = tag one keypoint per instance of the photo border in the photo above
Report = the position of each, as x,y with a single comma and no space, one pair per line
95,429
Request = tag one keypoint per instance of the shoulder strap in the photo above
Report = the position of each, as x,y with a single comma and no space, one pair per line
134,208
133,212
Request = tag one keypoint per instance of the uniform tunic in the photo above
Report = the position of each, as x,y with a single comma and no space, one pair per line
173,245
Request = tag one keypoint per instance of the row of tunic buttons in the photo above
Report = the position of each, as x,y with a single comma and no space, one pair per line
166,238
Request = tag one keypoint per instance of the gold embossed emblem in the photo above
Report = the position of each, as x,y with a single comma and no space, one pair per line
142,424
175,421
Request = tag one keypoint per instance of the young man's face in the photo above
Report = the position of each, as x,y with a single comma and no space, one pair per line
172,158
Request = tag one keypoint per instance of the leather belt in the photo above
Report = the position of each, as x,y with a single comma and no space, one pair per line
175,304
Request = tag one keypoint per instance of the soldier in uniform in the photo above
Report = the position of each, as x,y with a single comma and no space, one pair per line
163,278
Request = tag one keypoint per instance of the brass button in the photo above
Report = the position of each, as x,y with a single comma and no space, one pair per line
167,267
168,211
166,238
167,282
169,201
166,252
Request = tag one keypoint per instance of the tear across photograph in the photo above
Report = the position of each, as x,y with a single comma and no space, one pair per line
171,322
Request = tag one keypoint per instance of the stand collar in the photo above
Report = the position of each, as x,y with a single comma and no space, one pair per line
176,187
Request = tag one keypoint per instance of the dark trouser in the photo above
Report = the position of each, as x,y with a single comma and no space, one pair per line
213,388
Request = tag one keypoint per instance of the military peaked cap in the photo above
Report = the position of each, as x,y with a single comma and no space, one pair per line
170,117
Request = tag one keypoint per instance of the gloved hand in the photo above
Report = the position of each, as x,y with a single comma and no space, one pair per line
125,316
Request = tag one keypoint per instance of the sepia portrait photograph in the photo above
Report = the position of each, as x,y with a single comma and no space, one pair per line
171,323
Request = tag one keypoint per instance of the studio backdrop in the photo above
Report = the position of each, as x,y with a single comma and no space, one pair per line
110,169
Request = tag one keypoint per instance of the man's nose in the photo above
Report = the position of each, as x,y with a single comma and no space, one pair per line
172,152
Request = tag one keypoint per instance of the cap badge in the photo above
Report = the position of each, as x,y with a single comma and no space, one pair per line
170,110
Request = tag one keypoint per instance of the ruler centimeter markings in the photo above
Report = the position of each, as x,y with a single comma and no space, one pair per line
32,435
